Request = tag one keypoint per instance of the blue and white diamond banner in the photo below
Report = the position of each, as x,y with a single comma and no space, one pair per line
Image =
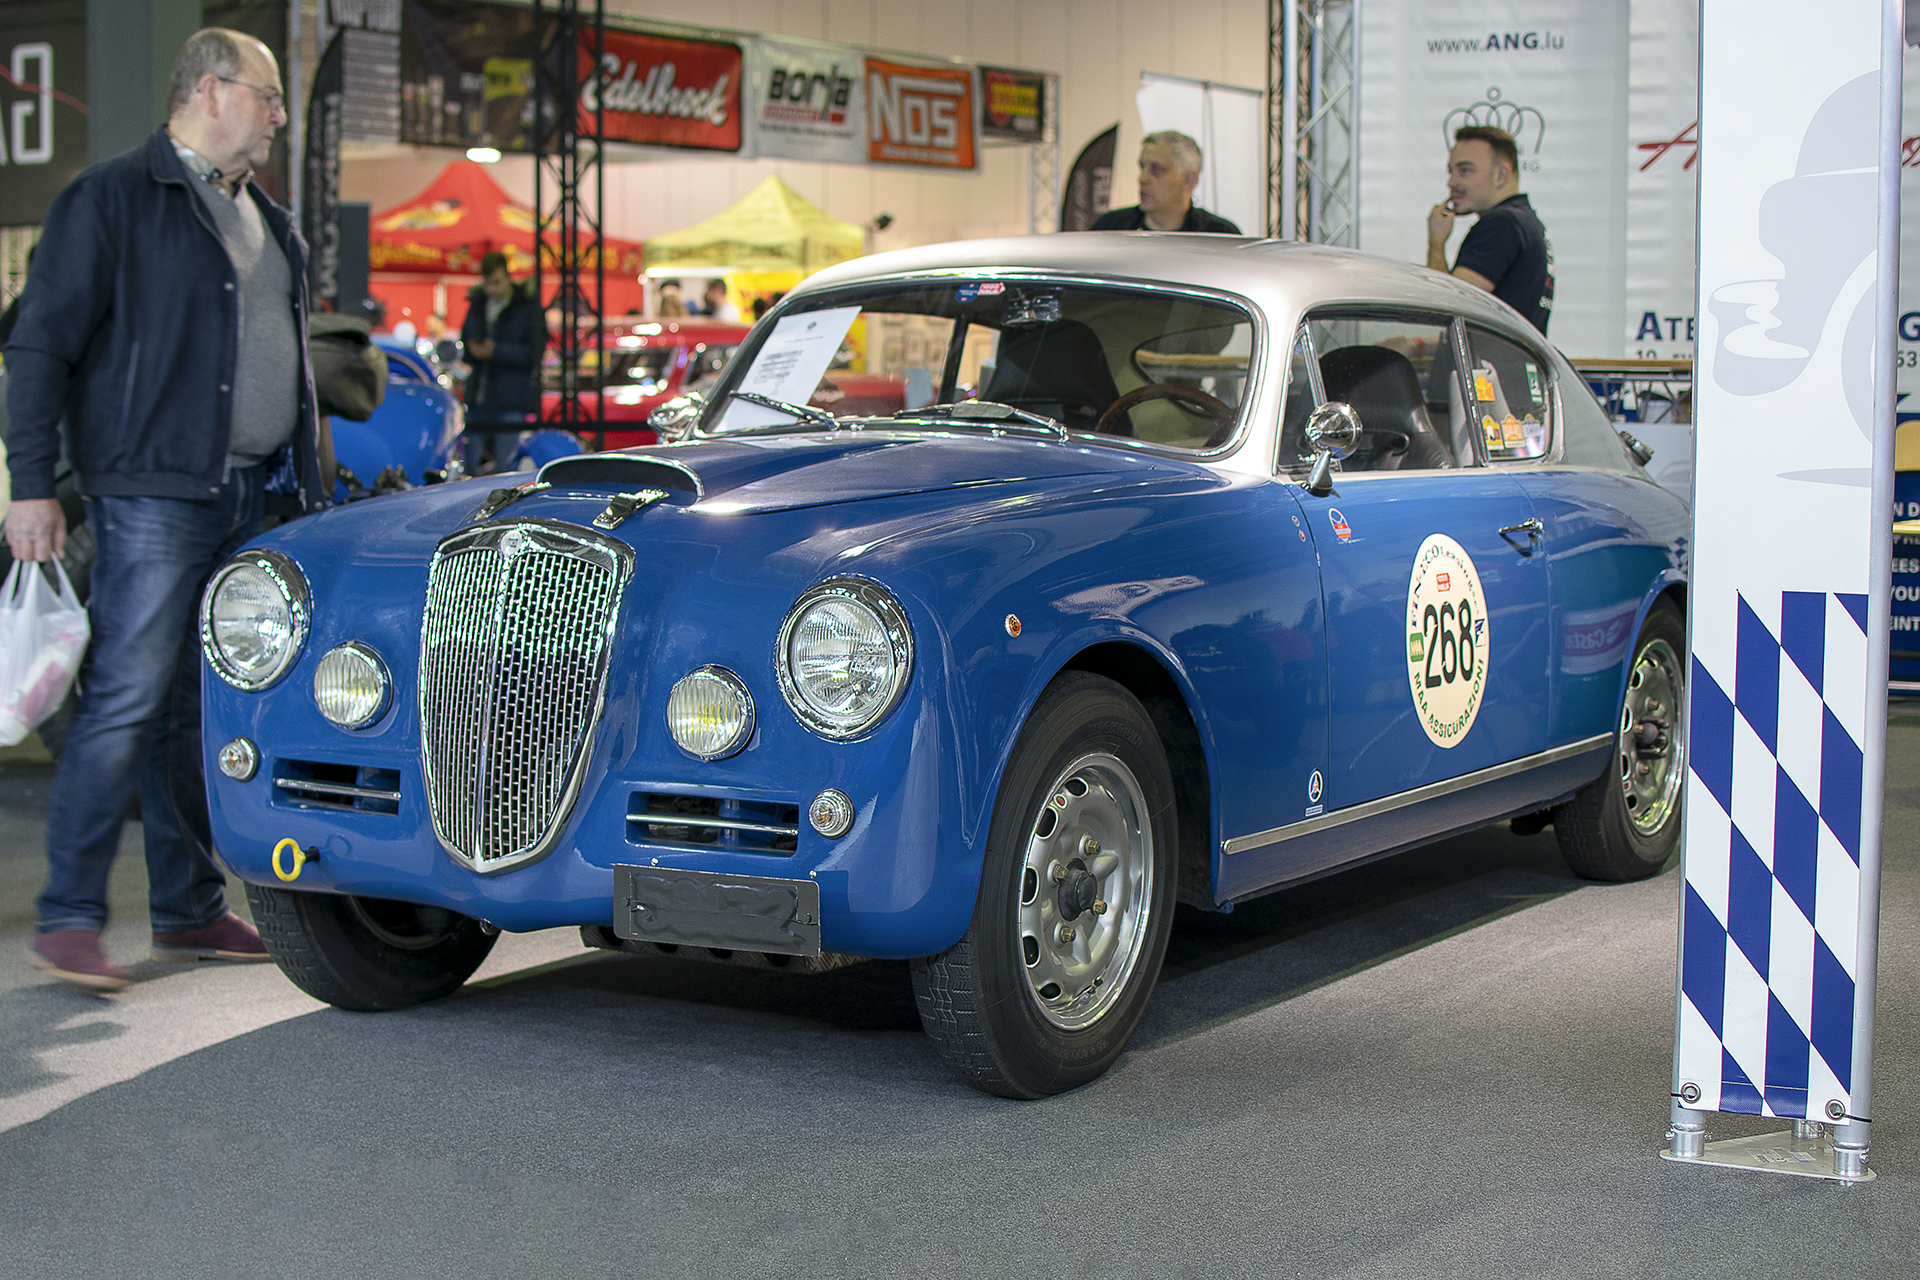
1788,611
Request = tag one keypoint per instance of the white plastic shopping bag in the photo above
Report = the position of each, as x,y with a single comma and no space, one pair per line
43,637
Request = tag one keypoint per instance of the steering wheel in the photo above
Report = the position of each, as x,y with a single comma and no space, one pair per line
1221,412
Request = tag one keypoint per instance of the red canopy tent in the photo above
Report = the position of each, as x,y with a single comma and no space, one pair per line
444,232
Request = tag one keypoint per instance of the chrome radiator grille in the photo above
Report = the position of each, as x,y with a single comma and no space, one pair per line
513,662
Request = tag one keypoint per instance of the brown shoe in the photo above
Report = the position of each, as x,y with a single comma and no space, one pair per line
228,938
74,956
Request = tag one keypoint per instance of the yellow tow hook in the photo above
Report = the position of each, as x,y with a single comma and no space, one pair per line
301,857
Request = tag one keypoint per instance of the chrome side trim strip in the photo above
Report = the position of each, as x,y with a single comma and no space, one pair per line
1432,791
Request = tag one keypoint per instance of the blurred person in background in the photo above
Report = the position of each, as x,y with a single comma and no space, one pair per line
164,318
1169,171
1507,253
505,335
714,304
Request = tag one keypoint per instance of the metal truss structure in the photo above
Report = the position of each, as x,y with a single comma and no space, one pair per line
1043,165
569,208
1313,120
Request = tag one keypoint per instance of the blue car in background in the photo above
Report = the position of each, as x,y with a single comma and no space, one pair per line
416,428
1192,567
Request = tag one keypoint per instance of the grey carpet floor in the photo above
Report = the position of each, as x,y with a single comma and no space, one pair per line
1451,1063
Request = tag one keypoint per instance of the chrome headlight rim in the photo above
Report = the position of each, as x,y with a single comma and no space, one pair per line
372,658
893,620
720,675
286,575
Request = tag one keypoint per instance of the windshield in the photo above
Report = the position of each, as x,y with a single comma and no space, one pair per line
1164,368
645,371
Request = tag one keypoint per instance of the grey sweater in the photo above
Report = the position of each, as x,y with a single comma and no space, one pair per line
266,392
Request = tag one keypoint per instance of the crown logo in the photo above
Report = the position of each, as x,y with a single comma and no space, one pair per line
1496,113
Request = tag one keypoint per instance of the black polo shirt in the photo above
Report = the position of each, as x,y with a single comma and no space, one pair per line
1509,246
1131,219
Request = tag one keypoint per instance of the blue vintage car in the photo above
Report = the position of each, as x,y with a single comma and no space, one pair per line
416,428
1195,567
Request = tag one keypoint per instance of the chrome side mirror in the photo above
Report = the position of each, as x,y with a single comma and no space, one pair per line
674,420
1333,431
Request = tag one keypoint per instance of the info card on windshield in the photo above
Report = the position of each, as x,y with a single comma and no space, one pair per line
789,365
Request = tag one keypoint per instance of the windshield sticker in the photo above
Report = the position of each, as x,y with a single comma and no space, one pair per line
1448,641
1483,388
789,365
1533,383
1510,431
1492,429
968,292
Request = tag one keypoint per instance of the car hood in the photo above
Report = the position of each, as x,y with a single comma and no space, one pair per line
782,473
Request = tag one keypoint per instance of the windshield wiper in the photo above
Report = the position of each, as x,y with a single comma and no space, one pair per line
987,411
804,412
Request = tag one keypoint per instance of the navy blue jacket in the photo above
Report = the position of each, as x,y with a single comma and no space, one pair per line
509,382
130,326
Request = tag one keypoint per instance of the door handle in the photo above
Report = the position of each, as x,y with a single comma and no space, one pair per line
1534,530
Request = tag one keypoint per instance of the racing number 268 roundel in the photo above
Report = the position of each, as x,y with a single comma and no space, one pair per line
1447,639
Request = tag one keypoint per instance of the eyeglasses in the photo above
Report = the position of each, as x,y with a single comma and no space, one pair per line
275,100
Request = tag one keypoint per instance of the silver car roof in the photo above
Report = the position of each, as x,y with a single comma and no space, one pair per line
1283,279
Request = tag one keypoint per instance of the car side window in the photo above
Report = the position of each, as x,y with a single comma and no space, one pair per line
1396,373
1512,397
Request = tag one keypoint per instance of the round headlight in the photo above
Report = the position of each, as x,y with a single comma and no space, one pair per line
845,654
710,713
350,685
253,618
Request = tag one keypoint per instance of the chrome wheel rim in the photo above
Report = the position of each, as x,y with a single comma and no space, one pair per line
1653,738
1085,891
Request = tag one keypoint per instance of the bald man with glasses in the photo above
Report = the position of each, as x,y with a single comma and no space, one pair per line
165,320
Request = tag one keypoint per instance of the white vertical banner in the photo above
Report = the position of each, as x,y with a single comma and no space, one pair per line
1663,125
1788,607
1230,125
1551,72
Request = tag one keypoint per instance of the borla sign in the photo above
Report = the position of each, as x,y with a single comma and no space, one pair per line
663,92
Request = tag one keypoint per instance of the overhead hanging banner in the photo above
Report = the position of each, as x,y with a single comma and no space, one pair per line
466,74
1012,104
659,91
807,101
1551,72
920,115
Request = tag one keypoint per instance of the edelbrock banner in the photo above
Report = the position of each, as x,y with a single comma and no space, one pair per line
807,101
1551,72
1788,602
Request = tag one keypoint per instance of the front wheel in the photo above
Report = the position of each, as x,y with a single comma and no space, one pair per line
1076,901
1624,824
367,954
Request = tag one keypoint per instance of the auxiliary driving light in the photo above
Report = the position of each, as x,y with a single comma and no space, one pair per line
350,685
710,713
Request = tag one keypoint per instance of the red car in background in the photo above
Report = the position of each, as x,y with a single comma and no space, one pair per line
647,363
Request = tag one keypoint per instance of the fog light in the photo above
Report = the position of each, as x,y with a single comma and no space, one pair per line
710,713
350,685
239,759
831,813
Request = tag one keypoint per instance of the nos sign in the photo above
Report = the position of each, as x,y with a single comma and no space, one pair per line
920,115
43,122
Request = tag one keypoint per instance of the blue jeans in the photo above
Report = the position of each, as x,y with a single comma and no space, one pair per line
138,725
504,432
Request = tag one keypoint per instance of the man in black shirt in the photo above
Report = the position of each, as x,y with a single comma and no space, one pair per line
1507,253
1169,171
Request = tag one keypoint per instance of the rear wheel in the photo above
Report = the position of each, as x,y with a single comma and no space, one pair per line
1076,901
1625,823
367,954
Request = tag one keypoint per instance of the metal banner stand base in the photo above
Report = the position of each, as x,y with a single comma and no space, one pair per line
1805,1151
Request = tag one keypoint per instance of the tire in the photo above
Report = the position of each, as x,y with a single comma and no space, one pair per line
1083,836
367,954
1624,824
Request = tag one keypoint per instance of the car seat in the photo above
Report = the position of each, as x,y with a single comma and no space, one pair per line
1382,387
1058,369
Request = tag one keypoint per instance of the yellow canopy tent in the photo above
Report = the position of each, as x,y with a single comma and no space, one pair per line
764,244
